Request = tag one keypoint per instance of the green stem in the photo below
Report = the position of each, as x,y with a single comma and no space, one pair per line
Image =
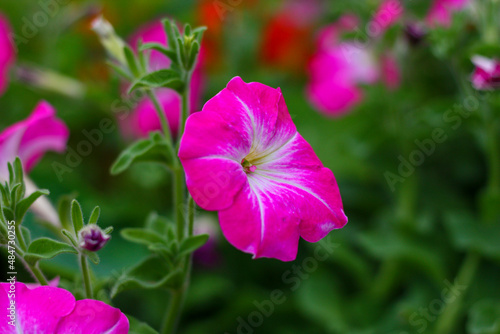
448,319
190,216
38,275
179,207
173,312
86,276
161,114
20,238
185,106
385,279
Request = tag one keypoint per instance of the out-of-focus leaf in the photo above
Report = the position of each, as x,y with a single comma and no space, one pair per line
45,248
484,318
158,79
191,244
468,233
142,236
138,327
155,148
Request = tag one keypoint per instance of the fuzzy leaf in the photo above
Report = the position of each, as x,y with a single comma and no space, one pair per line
45,248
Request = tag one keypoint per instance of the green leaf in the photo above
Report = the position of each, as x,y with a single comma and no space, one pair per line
23,206
469,233
191,244
163,78
26,235
168,26
95,215
484,318
64,211
154,148
193,54
70,237
76,216
160,48
45,248
142,236
151,273
92,256
121,71
138,327
157,223
131,61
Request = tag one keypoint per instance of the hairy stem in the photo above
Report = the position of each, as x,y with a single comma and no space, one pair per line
173,312
86,275
161,114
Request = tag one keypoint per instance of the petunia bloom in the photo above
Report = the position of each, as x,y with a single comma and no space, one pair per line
144,118
52,310
335,74
389,12
486,76
339,68
244,158
7,52
441,11
29,140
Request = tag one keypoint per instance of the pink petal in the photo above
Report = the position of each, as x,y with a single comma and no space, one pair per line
285,192
31,138
441,11
389,12
334,98
93,317
39,310
7,52
390,71
5,328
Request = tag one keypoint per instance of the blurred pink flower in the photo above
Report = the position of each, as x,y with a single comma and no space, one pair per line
390,71
441,11
243,157
143,118
486,75
29,140
339,67
51,310
7,52
389,12
207,255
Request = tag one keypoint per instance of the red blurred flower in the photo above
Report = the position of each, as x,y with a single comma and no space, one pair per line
287,37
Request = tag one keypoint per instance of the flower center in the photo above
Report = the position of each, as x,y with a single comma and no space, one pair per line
247,166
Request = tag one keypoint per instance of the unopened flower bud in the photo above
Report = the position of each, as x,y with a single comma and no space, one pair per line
109,39
92,238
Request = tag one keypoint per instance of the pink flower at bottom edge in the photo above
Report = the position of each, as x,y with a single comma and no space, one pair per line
7,52
51,310
243,157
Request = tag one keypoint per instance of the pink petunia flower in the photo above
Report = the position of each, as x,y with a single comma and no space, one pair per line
30,139
244,158
441,11
389,12
486,76
143,118
335,75
7,52
51,310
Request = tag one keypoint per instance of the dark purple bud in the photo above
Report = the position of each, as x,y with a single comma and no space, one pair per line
92,238
415,33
